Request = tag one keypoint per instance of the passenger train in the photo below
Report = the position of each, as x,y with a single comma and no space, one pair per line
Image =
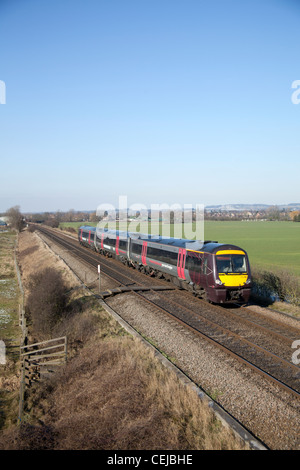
219,273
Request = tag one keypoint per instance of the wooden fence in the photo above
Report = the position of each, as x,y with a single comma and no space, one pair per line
37,360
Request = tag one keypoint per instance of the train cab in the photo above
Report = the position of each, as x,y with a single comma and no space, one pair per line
228,274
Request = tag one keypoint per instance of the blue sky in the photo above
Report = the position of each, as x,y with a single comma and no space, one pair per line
163,101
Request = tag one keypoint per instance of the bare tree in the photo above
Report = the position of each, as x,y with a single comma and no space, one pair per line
15,218
70,215
273,213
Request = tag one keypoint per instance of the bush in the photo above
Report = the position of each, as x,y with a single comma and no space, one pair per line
52,223
290,287
78,327
269,287
46,302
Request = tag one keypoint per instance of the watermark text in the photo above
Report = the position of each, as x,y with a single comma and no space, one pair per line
2,353
2,92
173,221
296,354
296,94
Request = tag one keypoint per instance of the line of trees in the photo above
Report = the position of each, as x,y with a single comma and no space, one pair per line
53,219
296,218
272,213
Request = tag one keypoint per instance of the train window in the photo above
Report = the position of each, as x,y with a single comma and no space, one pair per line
165,256
205,266
231,264
136,248
153,253
193,262
123,244
239,263
109,241
172,257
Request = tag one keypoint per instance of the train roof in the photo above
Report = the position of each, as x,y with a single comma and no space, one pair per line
212,247
87,227
207,246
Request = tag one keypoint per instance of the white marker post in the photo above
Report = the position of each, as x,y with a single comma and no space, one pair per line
99,271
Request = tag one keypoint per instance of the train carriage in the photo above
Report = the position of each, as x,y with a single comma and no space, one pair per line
86,236
217,272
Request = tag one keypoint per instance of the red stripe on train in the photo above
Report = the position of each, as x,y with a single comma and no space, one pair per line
154,262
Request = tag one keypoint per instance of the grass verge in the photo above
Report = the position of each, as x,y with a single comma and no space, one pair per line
10,298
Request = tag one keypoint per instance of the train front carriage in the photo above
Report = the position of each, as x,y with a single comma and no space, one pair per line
230,280
219,273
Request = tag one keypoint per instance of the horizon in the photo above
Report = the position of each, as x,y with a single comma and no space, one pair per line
174,102
233,208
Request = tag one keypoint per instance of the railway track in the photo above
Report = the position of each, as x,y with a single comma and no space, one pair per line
258,343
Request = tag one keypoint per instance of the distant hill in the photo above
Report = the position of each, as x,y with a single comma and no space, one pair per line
251,207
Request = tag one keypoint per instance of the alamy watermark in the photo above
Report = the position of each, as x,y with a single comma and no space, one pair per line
2,92
175,220
296,94
2,353
296,354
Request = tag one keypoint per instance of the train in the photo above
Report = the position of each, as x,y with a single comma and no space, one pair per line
217,272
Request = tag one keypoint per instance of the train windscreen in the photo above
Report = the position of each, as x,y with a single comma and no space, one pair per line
231,264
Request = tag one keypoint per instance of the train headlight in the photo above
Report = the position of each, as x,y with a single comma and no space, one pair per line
248,280
219,282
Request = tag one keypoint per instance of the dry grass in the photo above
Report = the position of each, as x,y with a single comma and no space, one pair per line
9,331
114,394
34,256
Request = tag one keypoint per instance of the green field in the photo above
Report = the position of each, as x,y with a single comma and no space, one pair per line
270,245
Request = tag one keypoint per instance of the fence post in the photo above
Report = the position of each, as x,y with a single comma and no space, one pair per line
66,349
22,391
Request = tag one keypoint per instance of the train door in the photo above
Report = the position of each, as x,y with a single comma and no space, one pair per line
203,271
206,272
194,266
181,263
209,271
144,253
